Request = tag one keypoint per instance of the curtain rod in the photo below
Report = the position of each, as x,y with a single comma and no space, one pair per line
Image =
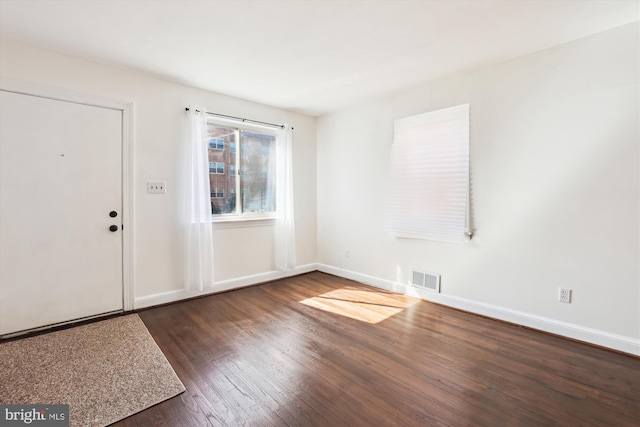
239,118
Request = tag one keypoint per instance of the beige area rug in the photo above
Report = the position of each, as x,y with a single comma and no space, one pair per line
105,371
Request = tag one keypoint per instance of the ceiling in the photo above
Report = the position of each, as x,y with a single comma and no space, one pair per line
309,56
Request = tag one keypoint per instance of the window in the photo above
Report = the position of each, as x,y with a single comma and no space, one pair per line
429,188
216,168
216,143
251,162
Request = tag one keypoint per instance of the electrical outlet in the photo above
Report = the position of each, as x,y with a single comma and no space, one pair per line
156,187
564,295
347,253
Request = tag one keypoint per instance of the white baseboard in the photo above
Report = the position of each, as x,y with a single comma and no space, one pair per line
224,285
569,330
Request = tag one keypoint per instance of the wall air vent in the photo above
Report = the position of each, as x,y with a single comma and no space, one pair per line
428,281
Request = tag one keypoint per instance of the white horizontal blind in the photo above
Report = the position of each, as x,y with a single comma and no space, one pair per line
429,189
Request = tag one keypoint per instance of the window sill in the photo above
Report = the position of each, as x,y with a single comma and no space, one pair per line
242,222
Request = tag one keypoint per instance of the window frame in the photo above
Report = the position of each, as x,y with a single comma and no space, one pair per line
233,219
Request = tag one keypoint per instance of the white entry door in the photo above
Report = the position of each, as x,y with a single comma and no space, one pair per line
60,192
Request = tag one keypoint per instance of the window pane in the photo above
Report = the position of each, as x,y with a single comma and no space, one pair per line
223,185
258,172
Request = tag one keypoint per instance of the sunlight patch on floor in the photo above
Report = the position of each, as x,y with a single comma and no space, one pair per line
366,306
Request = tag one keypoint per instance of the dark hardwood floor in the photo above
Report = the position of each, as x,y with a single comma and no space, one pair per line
317,350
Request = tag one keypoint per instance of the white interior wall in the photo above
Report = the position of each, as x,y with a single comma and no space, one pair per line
242,254
555,189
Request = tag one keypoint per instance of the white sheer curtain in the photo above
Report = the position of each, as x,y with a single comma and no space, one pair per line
285,240
198,262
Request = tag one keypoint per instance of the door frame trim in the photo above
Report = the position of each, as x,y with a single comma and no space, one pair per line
127,110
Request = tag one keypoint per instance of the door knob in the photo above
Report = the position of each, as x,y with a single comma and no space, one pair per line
113,228
113,214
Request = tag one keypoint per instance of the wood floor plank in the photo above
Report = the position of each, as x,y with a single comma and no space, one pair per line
318,350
